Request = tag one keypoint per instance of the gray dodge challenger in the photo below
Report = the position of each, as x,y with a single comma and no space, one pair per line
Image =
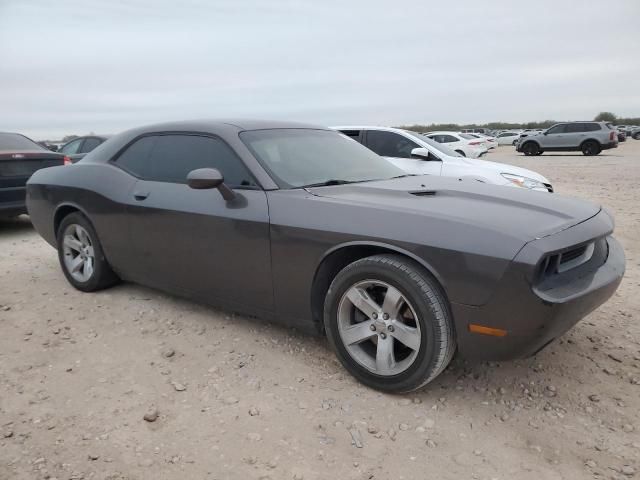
302,225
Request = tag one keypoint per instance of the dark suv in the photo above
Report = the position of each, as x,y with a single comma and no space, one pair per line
588,137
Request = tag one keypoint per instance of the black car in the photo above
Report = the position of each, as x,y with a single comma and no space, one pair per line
77,148
303,225
19,158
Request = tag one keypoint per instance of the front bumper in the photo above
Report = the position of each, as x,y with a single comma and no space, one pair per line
531,317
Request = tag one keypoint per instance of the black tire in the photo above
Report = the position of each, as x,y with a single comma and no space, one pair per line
540,152
530,148
636,136
103,276
461,153
590,148
437,335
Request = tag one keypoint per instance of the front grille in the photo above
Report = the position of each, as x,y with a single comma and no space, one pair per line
561,262
572,254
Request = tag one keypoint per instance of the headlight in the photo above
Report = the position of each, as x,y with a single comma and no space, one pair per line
523,182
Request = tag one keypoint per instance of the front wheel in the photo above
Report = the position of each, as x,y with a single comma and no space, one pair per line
81,256
389,323
590,148
530,148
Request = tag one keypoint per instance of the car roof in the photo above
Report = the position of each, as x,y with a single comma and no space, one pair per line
225,124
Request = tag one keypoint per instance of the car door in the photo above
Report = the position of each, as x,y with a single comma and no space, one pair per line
397,149
193,241
555,137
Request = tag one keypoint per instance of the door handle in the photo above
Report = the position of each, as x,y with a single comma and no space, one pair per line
140,195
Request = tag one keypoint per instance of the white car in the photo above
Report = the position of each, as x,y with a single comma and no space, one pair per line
508,138
464,144
490,141
417,154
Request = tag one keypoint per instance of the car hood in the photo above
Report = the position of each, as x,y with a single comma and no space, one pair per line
518,212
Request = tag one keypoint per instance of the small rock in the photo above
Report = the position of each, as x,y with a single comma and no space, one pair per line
254,437
356,438
230,400
6,308
151,415
93,457
168,353
594,398
504,417
392,434
628,470
178,386
550,391
254,412
404,427
372,429
628,428
7,434
614,357
431,444
609,371
590,464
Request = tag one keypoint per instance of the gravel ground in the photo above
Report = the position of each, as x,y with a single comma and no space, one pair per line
130,383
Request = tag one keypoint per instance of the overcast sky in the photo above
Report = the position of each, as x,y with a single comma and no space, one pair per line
76,66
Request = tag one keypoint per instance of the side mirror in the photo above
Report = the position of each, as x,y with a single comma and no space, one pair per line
207,178
423,154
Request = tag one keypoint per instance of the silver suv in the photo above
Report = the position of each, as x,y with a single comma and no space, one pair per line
588,137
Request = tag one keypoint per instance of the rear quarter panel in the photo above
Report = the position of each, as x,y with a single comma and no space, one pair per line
100,191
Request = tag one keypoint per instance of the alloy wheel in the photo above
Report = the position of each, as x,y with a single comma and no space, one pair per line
379,327
79,256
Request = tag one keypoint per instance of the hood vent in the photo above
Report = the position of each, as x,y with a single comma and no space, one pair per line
424,193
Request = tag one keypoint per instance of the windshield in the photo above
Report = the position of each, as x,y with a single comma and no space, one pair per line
441,147
297,157
14,141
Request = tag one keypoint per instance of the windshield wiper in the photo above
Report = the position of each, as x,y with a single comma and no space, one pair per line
327,183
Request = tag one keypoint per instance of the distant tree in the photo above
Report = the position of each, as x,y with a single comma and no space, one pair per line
605,117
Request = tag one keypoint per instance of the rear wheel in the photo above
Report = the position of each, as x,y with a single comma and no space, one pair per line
590,147
530,148
636,136
81,256
389,323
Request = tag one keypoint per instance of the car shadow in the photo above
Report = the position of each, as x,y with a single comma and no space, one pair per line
15,226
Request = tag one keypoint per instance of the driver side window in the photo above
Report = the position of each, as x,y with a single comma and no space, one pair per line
390,144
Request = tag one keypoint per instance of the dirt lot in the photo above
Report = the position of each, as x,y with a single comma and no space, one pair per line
239,399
